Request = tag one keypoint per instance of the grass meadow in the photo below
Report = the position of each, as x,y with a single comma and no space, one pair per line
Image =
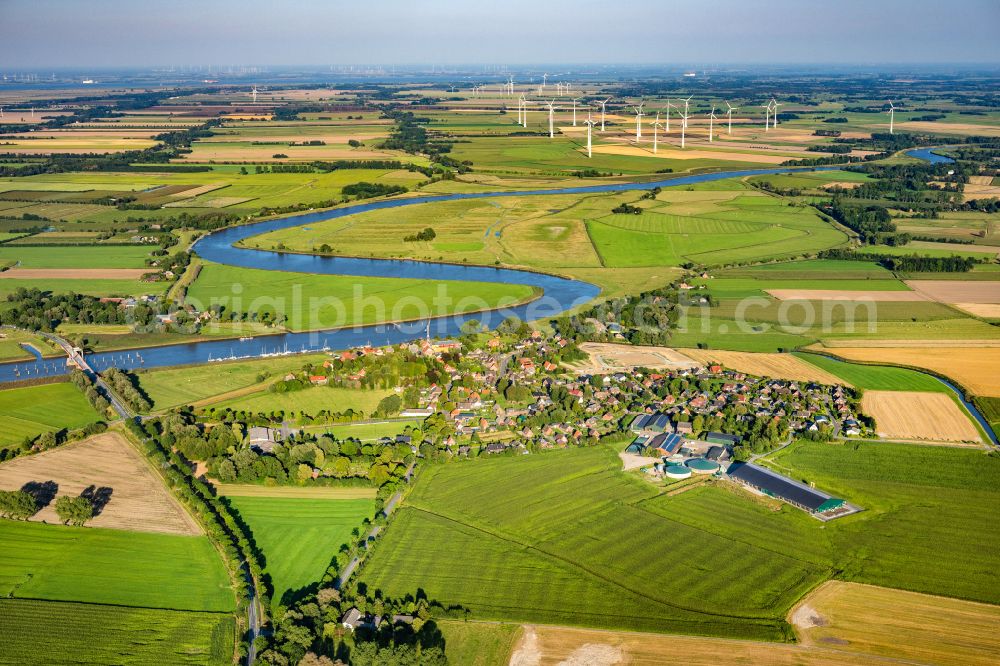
171,387
32,410
298,536
50,631
876,377
926,509
564,538
103,566
309,401
347,300
99,256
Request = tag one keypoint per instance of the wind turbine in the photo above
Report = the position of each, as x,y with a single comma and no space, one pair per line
638,121
603,105
730,114
668,116
552,109
522,112
686,114
545,80
892,113
590,128
575,99
656,126
253,94
774,112
767,116
510,85
684,122
711,124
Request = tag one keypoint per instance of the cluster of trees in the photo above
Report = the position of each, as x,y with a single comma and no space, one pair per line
95,396
126,386
907,263
871,223
38,310
427,234
222,526
17,504
627,209
645,318
51,439
22,504
364,190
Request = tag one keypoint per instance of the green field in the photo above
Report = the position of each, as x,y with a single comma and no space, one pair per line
479,643
102,566
310,400
368,431
103,256
924,506
299,537
876,377
32,410
564,538
53,632
11,349
170,387
311,302
89,287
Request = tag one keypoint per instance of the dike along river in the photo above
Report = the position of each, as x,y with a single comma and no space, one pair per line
558,294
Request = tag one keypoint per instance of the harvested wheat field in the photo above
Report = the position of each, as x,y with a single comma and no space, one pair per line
918,415
948,128
952,247
898,625
978,370
845,295
607,357
779,366
75,273
891,342
568,646
957,291
984,310
138,499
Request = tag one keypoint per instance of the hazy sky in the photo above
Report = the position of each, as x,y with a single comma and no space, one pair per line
53,33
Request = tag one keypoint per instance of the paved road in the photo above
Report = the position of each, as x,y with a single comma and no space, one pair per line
390,506
75,356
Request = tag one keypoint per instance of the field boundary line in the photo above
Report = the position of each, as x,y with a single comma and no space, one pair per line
594,574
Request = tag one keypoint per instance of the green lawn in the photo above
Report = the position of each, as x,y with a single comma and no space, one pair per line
929,521
368,431
479,643
327,301
310,400
299,537
876,378
103,256
170,387
32,410
565,538
89,287
102,566
52,632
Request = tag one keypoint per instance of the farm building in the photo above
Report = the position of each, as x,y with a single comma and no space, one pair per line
702,466
262,439
651,423
722,438
665,445
677,472
781,487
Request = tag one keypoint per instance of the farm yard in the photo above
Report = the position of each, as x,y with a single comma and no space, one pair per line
138,500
